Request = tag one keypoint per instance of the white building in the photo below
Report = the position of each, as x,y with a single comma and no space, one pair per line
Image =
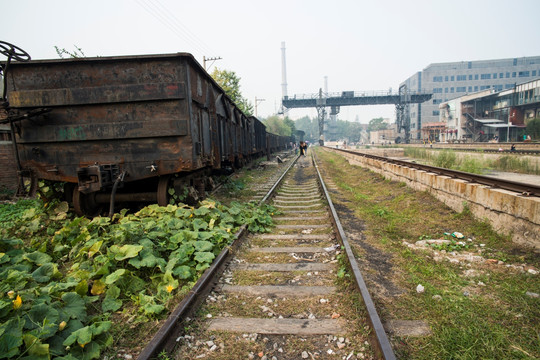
455,79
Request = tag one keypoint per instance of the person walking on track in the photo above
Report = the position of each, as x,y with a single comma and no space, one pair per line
303,148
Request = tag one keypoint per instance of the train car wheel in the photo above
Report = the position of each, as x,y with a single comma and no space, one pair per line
85,204
163,195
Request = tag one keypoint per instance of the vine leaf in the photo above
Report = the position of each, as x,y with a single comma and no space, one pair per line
125,251
11,337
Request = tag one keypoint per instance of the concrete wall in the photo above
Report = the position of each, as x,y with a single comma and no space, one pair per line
508,212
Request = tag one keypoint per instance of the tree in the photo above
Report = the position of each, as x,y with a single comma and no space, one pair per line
276,125
533,129
377,124
230,83
349,131
309,126
290,124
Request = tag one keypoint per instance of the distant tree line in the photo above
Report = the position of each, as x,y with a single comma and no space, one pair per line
343,130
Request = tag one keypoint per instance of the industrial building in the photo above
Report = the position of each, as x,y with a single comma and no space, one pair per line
447,81
488,115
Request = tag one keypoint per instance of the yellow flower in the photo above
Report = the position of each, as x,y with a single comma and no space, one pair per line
62,325
190,215
11,294
169,288
228,230
82,345
17,303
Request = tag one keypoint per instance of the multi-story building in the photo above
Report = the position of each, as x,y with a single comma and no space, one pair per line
455,79
491,116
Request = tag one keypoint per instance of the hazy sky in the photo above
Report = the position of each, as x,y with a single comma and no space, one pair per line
359,45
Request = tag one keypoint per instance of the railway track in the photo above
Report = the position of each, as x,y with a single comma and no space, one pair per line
521,188
278,296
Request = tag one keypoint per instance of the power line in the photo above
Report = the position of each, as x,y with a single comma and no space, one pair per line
166,22
182,27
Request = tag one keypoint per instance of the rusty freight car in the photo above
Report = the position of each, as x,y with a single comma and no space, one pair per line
126,128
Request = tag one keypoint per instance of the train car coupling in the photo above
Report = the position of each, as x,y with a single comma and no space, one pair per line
95,178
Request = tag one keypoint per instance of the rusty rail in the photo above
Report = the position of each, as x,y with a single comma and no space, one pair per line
163,339
380,339
519,187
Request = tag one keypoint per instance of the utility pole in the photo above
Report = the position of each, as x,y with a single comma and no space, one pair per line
209,59
257,101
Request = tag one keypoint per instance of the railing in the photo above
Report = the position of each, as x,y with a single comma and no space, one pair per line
350,94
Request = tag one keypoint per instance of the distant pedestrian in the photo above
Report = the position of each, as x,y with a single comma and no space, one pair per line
303,148
513,147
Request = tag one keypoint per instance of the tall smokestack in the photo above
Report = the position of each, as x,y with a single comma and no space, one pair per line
283,72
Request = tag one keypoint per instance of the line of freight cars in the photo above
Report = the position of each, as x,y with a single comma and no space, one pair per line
128,129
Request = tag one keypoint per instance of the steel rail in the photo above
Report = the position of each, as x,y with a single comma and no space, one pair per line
273,189
519,187
381,342
162,339
488,151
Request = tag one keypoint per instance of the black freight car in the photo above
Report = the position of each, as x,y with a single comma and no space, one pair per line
144,123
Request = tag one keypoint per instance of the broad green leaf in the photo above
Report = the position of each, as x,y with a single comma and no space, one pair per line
235,209
67,357
5,307
153,309
115,276
205,235
204,257
100,221
125,251
82,287
202,266
11,337
156,234
113,292
44,317
171,264
147,258
38,258
148,304
8,244
175,224
101,327
34,346
98,287
74,305
102,270
199,224
94,248
87,352
82,336
44,273
62,207
111,305
182,272
4,258
183,213
203,246
183,253
133,284
201,211
111,302
177,238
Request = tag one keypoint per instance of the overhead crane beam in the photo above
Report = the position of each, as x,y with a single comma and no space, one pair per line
350,98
